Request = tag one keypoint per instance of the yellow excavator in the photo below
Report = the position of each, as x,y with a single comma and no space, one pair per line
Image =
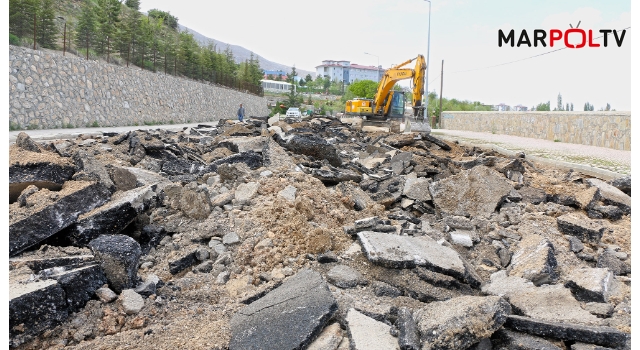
388,106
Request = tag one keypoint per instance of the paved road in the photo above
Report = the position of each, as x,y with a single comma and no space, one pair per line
604,162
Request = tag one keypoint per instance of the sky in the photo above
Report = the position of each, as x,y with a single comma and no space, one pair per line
463,33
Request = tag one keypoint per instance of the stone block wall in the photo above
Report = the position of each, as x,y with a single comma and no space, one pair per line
48,90
602,129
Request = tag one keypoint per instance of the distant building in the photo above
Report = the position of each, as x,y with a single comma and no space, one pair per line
347,72
276,86
520,108
276,73
501,107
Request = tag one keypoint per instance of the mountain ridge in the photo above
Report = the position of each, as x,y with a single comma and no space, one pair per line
241,54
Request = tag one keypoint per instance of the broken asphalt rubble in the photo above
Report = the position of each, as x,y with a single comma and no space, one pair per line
272,234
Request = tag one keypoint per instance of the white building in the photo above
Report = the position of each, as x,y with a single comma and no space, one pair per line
347,72
276,86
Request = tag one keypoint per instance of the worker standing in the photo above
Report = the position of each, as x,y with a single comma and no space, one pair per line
241,113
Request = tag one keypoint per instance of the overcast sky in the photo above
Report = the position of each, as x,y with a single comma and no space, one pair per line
464,34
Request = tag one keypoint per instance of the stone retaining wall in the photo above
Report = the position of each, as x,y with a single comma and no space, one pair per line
48,90
602,129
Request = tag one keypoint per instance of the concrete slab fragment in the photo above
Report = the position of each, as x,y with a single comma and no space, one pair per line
460,322
368,334
475,192
395,251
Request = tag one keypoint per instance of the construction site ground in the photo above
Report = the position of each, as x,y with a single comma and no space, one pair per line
272,234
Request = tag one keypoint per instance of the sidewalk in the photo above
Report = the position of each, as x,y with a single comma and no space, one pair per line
595,161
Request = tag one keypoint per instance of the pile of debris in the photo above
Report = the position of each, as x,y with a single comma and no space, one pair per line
274,235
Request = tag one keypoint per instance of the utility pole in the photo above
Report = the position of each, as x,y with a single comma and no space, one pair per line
64,40
34,31
441,80
87,45
64,33
426,81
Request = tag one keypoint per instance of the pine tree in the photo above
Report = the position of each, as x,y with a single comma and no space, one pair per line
86,28
608,107
572,106
127,35
21,17
256,73
108,17
230,67
560,107
46,27
133,4
291,78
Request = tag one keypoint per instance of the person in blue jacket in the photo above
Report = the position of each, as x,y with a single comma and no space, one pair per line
241,113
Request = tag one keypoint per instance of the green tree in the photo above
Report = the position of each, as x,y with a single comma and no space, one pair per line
47,31
544,106
168,20
21,17
588,106
293,99
364,88
608,107
308,78
560,107
291,77
230,67
270,77
128,33
108,17
187,55
133,4
86,27
571,106
256,74
144,42
326,83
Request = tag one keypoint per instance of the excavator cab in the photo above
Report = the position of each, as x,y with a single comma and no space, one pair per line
396,108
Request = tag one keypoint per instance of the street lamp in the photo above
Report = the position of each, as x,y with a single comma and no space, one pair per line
378,66
426,80
64,39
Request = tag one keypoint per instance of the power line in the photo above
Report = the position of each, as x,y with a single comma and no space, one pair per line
523,59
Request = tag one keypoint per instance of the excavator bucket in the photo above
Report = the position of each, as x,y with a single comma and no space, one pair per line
417,125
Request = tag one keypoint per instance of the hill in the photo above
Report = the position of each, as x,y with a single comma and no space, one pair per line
241,54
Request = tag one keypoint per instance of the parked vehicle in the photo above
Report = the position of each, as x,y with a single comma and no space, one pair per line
294,112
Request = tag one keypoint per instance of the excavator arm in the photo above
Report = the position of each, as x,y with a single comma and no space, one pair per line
382,101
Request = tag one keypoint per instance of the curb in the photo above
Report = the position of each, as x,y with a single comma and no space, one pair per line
602,174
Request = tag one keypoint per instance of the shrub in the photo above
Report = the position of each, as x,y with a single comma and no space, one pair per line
14,126
14,40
